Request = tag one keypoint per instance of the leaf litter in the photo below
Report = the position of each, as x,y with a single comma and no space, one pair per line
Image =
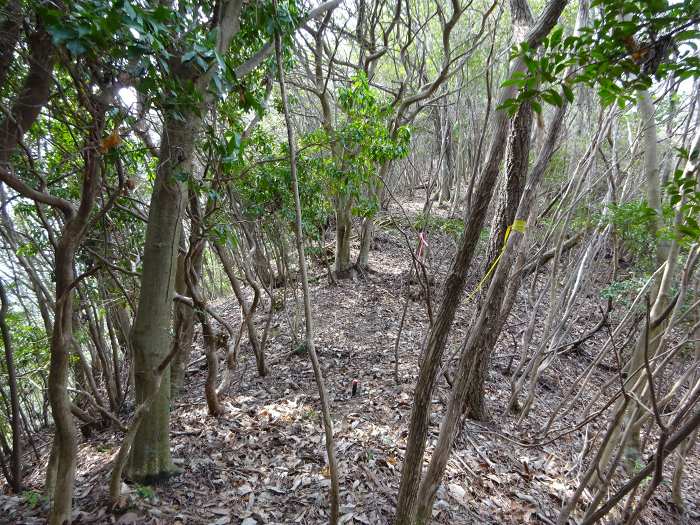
264,460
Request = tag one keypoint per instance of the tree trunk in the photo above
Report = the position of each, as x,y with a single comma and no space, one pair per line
660,291
149,458
65,438
247,311
376,189
318,373
454,286
448,163
517,156
15,478
625,433
483,332
9,35
44,298
193,278
651,171
366,240
343,233
184,326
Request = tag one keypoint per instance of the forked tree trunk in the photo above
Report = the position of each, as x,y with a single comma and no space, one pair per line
65,439
483,333
247,310
454,286
510,190
149,457
199,305
193,278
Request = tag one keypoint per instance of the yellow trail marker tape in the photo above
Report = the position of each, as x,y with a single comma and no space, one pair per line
518,226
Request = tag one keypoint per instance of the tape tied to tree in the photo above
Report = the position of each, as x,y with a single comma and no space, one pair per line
518,226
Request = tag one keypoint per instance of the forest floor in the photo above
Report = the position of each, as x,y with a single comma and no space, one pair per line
263,460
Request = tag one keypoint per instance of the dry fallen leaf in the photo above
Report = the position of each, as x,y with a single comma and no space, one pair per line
128,518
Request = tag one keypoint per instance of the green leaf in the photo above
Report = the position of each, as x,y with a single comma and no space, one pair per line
129,9
513,82
568,92
188,56
555,37
61,34
76,47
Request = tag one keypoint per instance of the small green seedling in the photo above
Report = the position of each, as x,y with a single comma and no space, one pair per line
32,498
145,492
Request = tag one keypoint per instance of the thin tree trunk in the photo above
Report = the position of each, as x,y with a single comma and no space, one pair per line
376,189
318,373
193,277
65,438
343,233
639,389
454,286
15,478
247,311
184,328
448,162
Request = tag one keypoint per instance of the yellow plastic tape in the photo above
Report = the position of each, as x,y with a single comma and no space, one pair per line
519,226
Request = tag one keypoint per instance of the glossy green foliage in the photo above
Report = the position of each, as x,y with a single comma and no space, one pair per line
89,27
30,345
628,45
266,189
634,223
348,157
168,50
685,197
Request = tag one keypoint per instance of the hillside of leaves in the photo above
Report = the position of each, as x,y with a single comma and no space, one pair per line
263,461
